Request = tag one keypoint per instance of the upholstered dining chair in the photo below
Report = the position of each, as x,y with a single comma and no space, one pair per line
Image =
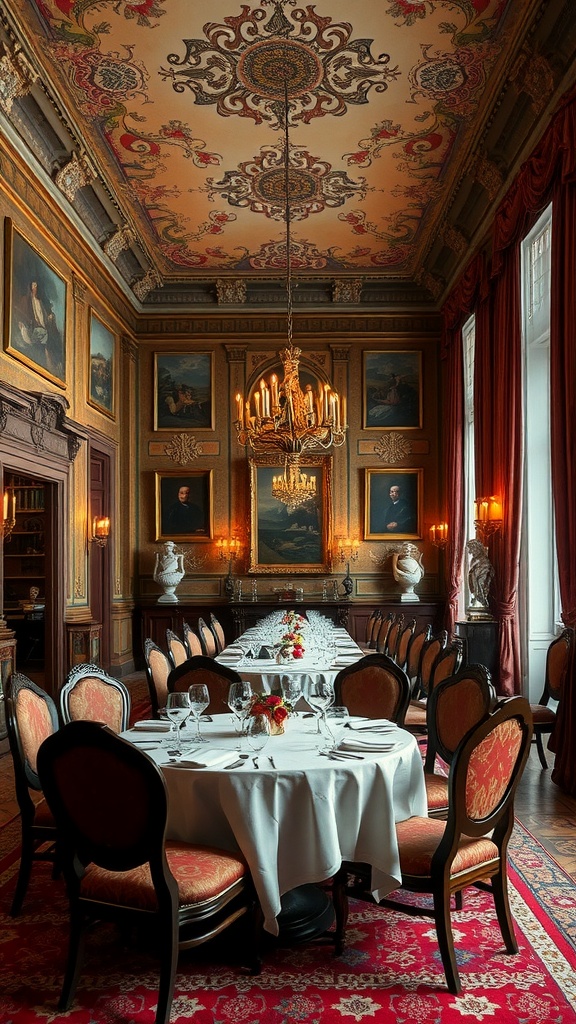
416,714
158,668
201,669
177,649
372,625
447,663
110,803
216,627
454,707
393,637
386,623
442,858
374,687
403,644
31,716
207,639
417,641
191,641
544,712
88,692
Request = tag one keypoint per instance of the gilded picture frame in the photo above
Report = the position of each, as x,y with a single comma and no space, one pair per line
393,504
101,378
284,542
183,391
184,506
392,390
35,308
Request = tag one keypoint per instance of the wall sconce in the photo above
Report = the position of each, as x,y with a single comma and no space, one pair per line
8,513
439,535
100,530
487,517
228,551
348,551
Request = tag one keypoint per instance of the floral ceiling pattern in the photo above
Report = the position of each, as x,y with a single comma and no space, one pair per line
185,118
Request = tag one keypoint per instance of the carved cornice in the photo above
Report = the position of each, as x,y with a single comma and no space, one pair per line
129,348
146,284
347,290
118,243
38,421
17,76
76,174
231,291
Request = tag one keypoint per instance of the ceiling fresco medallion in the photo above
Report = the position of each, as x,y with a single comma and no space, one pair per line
260,184
245,63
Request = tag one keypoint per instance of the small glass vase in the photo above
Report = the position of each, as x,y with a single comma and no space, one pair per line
276,728
284,657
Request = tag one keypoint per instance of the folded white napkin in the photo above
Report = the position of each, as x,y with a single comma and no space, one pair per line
340,662
365,744
378,724
145,744
211,758
152,725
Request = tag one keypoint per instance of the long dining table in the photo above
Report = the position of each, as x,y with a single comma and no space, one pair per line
293,812
327,649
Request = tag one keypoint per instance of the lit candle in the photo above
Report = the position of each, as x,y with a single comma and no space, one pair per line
239,408
495,509
343,413
248,413
5,516
432,533
443,531
257,404
326,402
337,410
332,407
274,383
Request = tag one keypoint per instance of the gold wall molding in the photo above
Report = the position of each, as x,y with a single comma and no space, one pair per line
393,447
160,448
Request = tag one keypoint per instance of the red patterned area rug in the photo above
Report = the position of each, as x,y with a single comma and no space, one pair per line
390,971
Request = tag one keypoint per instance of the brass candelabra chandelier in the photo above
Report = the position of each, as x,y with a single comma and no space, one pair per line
282,418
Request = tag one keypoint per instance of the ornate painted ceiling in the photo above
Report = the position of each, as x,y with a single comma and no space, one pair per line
180,109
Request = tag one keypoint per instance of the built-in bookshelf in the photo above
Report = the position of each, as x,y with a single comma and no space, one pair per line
24,550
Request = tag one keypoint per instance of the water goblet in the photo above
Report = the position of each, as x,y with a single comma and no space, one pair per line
177,710
258,732
239,698
199,701
291,686
320,697
335,720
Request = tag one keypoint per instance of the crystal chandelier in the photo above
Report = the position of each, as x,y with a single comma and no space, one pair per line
282,418
294,488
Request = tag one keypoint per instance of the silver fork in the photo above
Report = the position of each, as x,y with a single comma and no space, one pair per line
255,762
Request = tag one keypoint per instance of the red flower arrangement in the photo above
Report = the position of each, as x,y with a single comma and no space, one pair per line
276,708
292,643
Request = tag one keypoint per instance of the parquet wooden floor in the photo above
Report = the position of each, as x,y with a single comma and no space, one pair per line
547,812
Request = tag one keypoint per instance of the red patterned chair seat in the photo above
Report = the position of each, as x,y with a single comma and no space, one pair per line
418,840
436,791
201,873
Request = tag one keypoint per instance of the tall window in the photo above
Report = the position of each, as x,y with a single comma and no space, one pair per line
538,564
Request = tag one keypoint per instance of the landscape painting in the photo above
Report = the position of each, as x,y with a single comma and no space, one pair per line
285,539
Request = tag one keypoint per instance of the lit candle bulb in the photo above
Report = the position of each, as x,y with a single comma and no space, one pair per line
257,404
239,408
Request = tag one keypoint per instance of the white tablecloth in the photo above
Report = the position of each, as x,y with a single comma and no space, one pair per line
296,823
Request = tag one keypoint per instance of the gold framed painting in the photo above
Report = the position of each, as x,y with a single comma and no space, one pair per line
184,506
392,390
35,301
183,391
392,504
285,541
101,378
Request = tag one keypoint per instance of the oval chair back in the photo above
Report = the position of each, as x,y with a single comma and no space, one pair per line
384,627
192,641
31,717
557,664
218,632
415,646
430,651
373,687
404,642
158,668
394,636
448,662
177,649
216,677
89,693
207,639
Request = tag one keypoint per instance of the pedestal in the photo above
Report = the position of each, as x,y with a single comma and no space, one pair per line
480,644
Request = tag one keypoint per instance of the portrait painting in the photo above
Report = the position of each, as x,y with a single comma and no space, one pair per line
101,384
288,539
183,392
392,390
184,509
34,309
392,504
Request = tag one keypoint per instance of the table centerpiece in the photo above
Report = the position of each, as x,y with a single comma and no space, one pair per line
275,708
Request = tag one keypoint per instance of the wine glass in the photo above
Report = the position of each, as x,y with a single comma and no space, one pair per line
199,701
291,686
239,697
177,710
258,733
320,697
